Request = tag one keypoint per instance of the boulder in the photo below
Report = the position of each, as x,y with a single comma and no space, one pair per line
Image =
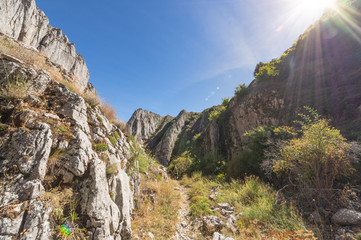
347,217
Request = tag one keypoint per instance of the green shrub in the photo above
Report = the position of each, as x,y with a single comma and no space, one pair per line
212,163
101,147
112,140
317,158
241,90
247,161
100,119
258,66
180,165
116,135
225,102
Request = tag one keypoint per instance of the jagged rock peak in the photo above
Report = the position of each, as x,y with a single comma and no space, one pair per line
143,124
24,22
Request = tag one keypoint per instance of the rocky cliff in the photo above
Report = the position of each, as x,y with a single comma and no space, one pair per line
23,21
321,70
53,145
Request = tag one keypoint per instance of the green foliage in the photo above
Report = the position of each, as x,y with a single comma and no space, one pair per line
267,71
181,165
100,119
200,206
317,158
116,135
308,118
211,163
112,140
216,112
247,161
61,129
101,147
225,102
140,160
241,90
253,198
258,66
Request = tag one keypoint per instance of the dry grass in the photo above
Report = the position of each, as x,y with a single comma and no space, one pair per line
123,126
15,88
34,58
109,112
159,217
92,99
64,204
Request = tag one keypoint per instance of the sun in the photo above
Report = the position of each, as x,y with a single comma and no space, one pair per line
316,5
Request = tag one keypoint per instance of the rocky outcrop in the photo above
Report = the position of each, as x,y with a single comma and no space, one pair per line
23,21
159,134
143,124
59,157
163,150
211,224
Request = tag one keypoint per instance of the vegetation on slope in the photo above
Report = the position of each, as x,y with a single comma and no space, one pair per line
158,202
259,215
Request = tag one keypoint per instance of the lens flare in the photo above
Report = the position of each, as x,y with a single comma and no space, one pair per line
65,229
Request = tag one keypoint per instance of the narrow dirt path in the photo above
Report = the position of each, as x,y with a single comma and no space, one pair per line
185,228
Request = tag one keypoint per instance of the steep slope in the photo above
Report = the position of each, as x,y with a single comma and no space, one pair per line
52,143
23,21
63,164
321,70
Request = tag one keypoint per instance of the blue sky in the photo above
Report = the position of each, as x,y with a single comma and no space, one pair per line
169,55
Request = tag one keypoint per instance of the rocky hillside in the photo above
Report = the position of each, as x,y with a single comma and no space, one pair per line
321,70
63,164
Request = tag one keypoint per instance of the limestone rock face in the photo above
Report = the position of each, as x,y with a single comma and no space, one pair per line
163,150
143,124
48,149
23,21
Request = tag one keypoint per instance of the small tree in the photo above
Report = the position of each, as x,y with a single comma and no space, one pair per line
317,158
241,90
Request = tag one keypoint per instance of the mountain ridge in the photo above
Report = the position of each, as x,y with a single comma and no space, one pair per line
320,70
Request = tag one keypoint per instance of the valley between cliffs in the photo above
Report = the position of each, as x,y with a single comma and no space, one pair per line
69,169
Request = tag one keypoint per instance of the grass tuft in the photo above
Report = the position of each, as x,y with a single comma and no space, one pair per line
101,147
